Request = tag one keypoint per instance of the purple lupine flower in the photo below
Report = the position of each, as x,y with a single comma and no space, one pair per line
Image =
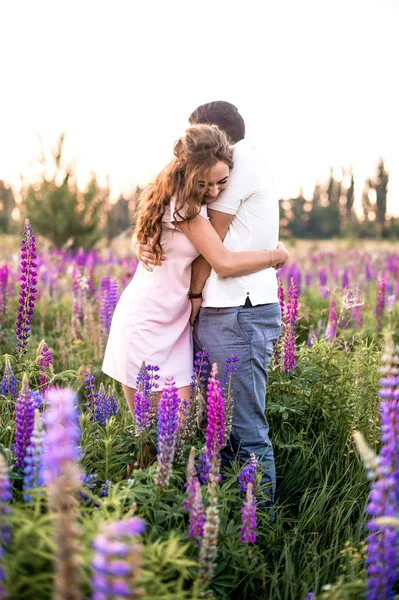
3,593
323,276
290,323
248,474
37,399
382,560
24,419
379,309
9,382
168,421
230,367
280,292
45,360
248,514
28,290
195,508
103,407
209,542
5,497
331,330
88,483
357,313
308,279
310,596
104,488
91,394
108,300
3,295
345,279
215,438
62,435
117,560
112,401
32,470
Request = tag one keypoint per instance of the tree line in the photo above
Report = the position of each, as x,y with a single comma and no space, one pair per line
68,216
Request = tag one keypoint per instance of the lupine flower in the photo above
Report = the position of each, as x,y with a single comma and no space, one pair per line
5,497
331,330
195,508
3,593
168,422
62,435
45,360
209,542
215,438
308,279
247,475
248,527
229,368
345,279
357,314
9,382
24,418
108,300
112,401
91,394
379,309
3,295
32,470
62,478
104,488
290,323
142,402
117,560
323,276
391,300
28,289
88,483
103,407
37,399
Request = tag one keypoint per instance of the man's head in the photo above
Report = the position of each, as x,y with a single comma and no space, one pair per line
224,115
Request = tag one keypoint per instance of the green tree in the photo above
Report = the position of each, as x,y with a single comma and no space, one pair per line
380,185
62,213
7,205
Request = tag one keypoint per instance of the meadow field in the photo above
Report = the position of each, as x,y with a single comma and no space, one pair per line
97,504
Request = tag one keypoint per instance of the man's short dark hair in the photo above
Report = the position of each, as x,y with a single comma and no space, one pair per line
224,115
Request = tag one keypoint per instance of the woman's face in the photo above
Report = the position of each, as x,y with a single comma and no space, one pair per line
215,180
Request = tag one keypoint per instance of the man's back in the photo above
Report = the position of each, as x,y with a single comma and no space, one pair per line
251,199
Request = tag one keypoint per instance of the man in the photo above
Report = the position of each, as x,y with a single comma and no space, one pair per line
241,314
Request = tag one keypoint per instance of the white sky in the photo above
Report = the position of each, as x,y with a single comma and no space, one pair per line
315,80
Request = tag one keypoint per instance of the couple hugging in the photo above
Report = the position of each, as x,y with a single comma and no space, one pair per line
207,231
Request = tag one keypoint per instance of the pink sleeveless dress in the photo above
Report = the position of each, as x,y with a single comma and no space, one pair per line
151,321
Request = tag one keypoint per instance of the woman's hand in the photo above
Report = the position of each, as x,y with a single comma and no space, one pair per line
195,308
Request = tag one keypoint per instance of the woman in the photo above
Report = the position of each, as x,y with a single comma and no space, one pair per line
151,322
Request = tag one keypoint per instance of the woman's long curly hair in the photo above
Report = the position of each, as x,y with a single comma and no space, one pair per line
198,150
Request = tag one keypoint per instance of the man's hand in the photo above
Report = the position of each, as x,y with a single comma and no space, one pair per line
281,246
195,308
146,256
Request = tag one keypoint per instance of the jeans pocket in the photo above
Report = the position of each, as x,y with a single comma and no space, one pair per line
243,324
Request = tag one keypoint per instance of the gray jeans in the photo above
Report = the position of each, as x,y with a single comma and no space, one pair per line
251,333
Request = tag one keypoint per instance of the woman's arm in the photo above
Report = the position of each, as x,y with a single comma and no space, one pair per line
228,264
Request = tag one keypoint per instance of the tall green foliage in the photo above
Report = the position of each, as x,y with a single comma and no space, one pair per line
62,213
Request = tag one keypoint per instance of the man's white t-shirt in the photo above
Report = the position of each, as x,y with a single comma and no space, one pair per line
250,197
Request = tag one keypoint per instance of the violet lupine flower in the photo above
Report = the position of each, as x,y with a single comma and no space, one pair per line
103,407
323,276
9,382
215,438
230,367
3,593
3,295
24,419
357,314
308,279
45,360
345,279
37,399
32,470
331,330
5,497
117,560
88,483
248,515
281,300
28,290
142,402
108,300
104,488
91,394
195,508
112,401
290,323
209,542
248,474
379,309
168,422
62,435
